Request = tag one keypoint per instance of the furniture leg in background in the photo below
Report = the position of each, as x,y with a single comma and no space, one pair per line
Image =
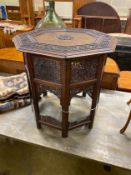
128,120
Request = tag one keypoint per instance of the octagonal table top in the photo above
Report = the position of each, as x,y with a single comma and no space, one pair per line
65,43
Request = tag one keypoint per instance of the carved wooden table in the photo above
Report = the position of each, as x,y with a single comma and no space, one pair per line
64,62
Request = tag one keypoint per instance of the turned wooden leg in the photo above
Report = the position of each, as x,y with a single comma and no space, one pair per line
92,115
95,98
65,123
126,125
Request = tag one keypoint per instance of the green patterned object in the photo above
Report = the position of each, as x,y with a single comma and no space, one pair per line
51,19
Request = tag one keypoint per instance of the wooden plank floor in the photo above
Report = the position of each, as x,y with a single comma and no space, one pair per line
103,143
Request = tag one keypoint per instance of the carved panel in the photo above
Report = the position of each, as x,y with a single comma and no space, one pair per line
83,70
46,69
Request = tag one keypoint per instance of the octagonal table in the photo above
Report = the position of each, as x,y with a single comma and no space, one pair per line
64,62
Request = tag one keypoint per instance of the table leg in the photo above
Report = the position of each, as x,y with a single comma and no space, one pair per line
96,89
83,94
126,125
36,108
32,88
95,99
65,123
65,95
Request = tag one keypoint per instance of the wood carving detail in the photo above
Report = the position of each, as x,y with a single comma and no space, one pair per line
46,69
43,88
83,70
